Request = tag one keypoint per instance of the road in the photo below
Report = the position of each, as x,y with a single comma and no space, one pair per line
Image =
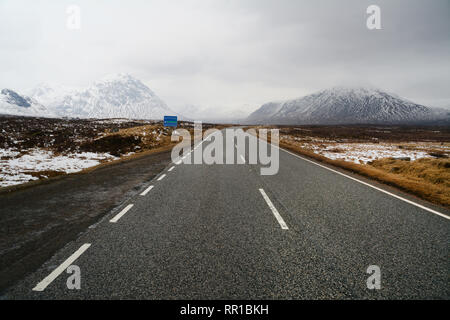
36,222
226,232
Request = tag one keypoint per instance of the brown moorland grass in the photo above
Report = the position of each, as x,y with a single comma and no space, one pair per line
434,171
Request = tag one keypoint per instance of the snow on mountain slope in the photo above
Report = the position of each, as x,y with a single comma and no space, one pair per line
115,96
344,105
266,111
12,103
47,93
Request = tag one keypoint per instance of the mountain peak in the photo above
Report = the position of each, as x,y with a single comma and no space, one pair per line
113,96
355,90
343,105
14,103
14,98
118,77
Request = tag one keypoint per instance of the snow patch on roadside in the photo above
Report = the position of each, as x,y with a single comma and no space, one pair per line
16,168
366,152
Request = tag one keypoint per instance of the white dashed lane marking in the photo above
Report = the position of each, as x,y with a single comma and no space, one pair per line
121,213
146,191
274,210
52,276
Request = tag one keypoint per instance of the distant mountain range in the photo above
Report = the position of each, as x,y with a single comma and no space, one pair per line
122,96
117,96
344,105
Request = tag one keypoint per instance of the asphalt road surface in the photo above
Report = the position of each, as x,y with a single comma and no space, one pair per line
226,232
38,221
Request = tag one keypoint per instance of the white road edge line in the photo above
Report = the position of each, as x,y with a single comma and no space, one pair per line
147,190
55,273
171,169
369,185
274,210
162,177
121,213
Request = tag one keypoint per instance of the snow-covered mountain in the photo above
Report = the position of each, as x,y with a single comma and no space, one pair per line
12,103
265,112
115,96
343,105
48,93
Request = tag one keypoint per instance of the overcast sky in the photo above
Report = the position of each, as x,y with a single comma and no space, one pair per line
230,56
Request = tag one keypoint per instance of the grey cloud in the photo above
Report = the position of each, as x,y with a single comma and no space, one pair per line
231,55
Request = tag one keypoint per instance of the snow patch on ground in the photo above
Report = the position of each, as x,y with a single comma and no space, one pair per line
16,169
366,152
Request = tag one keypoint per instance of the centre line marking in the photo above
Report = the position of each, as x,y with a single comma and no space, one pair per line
171,169
55,273
162,177
121,213
274,210
146,191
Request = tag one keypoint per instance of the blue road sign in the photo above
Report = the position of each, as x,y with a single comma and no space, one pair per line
170,121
